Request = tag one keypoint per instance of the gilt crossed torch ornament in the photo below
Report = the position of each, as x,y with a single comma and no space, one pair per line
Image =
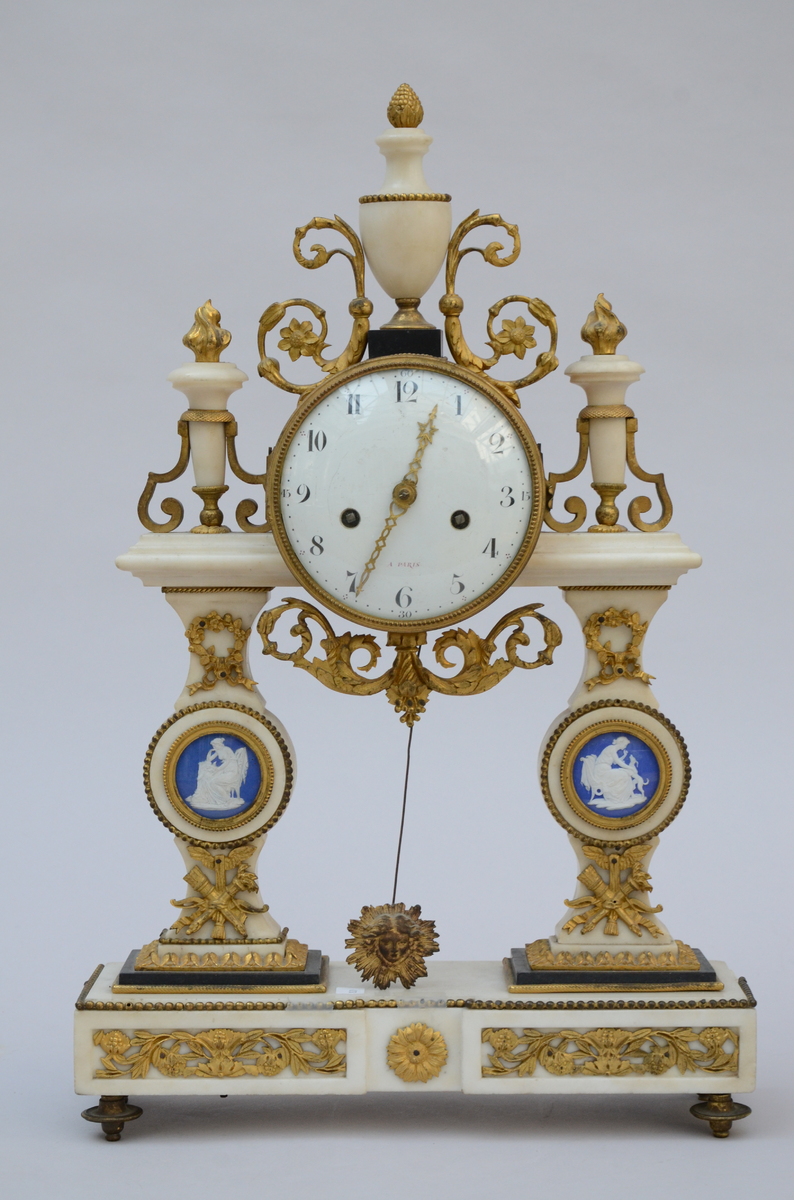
611,900
217,902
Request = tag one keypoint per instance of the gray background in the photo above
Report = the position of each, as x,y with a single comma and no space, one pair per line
158,153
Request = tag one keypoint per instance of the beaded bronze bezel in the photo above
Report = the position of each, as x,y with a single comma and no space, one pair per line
274,757
575,729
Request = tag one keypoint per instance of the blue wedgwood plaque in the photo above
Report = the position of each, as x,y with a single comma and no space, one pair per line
616,774
218,776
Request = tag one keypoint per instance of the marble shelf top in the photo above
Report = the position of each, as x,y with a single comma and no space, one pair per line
559,560
448,984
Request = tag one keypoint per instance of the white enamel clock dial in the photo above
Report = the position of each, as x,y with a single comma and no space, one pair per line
405,492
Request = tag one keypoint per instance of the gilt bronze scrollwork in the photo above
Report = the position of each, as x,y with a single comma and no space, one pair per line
171,506
577,506
573,504
174,508
300,338
641,504
408,683
246,508
515,337
207,340
604,331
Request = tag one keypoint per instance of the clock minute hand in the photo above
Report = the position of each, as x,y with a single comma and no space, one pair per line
403,494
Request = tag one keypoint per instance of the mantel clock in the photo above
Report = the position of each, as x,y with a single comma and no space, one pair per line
405,494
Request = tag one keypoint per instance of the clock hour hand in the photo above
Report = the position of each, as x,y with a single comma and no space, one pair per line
403,495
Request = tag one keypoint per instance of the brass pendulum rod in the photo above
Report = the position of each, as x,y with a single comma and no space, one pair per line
402,818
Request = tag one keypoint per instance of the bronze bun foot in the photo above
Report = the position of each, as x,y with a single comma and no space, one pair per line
720,1110
111,1113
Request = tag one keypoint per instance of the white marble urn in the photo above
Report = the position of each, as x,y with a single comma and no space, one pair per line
405,239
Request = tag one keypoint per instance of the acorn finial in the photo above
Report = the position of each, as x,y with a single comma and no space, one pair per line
602,329
205,337
405,108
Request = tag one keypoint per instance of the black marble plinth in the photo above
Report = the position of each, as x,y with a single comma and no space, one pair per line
611,980
240,980
381,342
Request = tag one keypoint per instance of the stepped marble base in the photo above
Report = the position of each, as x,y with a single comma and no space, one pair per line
206,979
457,1030
570,979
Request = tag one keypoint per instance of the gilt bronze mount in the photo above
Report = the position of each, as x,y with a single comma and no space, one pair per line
408,683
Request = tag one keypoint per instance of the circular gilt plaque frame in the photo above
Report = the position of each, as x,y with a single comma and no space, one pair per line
623,718
224,720
223,729
571,756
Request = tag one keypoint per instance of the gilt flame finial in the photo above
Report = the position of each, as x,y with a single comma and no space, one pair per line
205,337
405,108
602,329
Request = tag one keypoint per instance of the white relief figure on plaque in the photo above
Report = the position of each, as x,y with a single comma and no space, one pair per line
612,778
220,777
218,774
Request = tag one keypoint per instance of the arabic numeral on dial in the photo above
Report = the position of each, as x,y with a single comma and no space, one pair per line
403,599
458,585
509,498
304,492
406,391
353,577
354,405
490,548
526,495
285,493
496,441
317,546
317,439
